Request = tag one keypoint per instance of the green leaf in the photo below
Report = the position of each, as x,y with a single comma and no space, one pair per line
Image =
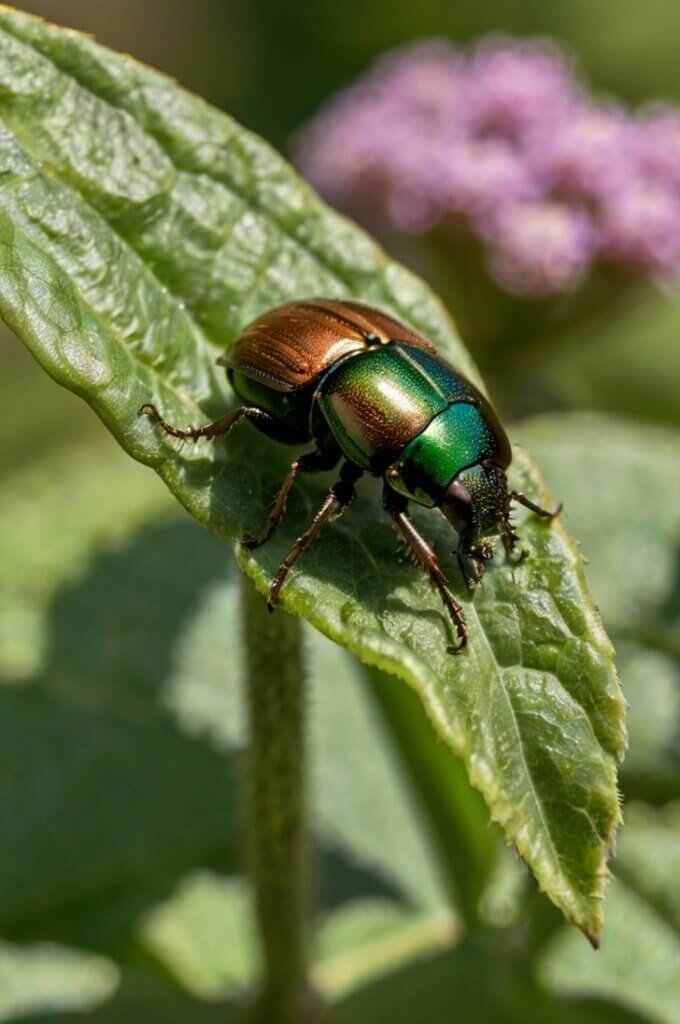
478,982
38,561
624,504
648,859
46,977
140,230
651,680
54,416
205,935
639,964
105,798
137,998
467,848
638,970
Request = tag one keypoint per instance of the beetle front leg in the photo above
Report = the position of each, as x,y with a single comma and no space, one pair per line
312,462
507,532
425,556
217,428
510,540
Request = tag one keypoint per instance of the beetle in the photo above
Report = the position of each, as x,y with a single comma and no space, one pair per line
369,391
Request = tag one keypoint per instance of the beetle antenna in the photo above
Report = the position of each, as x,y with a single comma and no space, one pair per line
536,509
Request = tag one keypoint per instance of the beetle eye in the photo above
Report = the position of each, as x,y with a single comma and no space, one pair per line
457,506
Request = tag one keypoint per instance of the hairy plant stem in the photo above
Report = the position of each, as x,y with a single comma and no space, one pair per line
277,814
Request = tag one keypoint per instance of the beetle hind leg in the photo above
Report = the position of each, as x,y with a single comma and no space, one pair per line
425,557
336,501
312,462
217,428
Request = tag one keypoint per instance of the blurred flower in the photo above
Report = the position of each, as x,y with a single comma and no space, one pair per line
540,248
478,175
586,155
370,140
511,85
657,141
423,79
503,139
641,226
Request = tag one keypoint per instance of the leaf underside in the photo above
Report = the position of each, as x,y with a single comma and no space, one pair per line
140,230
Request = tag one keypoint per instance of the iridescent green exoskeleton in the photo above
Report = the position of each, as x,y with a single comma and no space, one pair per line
370,391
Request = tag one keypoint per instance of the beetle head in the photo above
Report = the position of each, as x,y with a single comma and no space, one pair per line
477,500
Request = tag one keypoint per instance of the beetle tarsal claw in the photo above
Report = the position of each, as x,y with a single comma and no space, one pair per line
250,541
462,633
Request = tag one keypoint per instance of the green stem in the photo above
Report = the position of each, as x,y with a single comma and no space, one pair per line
277,813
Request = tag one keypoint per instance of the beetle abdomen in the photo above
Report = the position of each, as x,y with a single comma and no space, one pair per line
291,346
378,401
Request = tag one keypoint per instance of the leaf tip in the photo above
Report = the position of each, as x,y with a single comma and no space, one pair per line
593,928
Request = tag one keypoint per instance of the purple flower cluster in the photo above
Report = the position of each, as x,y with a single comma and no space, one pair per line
503,141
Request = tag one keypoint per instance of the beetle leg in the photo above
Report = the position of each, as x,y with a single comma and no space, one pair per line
311,462
425,556
510,539
536,509
336,501
508,535
215,429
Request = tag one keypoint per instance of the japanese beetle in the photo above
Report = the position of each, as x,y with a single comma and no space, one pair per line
368,390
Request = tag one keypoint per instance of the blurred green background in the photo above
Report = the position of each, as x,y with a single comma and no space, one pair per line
86,535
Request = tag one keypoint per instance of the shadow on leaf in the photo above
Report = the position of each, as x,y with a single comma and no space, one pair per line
104,798
471,983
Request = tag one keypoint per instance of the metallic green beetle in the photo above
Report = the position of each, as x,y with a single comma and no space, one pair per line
367,389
